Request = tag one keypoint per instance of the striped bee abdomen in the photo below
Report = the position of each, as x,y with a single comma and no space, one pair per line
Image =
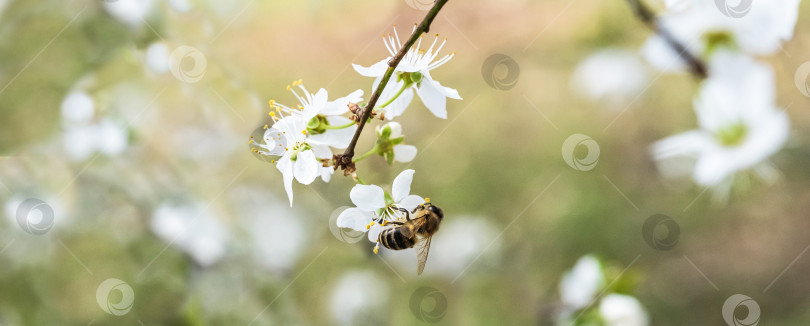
394,239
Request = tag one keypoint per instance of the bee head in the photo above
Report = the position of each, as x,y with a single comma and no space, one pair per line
434,209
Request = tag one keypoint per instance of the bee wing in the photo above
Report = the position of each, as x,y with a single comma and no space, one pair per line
422,248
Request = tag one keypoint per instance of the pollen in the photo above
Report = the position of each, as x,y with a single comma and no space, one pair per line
427,200
304,132
377,248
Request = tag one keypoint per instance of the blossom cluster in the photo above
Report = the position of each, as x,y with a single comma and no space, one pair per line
302,137
739,123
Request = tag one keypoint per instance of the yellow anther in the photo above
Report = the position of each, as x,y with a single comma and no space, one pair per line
427,200
265,127
250,141
288,87
300,81
272,103
384,222
304,132
272,114
376,249
272,161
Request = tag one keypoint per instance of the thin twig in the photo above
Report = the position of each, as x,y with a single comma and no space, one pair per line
344,161
648,17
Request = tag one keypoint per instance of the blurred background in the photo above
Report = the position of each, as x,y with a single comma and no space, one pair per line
161,215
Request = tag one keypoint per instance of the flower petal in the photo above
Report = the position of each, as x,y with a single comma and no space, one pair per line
402,185
355,219
433,98
411,202
404,153
396,129
340,106
374,232
368,197
376,70
306,167
285,165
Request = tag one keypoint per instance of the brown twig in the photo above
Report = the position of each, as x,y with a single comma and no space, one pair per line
344,161
648,17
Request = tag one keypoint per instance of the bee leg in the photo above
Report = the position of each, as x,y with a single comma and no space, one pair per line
407,214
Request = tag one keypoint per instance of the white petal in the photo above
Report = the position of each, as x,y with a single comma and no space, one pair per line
404,153
355,219
396,108
402,185
433,98
285,165
374,232
340,106
326,173
306,167
376,70
411,202
368,197
321,151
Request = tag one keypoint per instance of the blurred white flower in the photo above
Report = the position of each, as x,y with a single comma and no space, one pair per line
78,108
373,204
580,284
130,12
190,228
622,310
702,28
412,73
278,236
740,125
460,241
610,75
678,5
106,137
390,146
157,58
358,297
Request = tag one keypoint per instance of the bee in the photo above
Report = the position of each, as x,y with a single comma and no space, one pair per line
414,232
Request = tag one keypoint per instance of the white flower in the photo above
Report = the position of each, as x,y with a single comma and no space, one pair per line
611,75
191,229
130,12
412,73
277,234
580,284
373,204
740,126
78,108
157,58
106,137
300,158
302,136
703,28
622,310
357,299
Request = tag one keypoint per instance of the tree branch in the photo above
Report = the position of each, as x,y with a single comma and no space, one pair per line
648,17
344,160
